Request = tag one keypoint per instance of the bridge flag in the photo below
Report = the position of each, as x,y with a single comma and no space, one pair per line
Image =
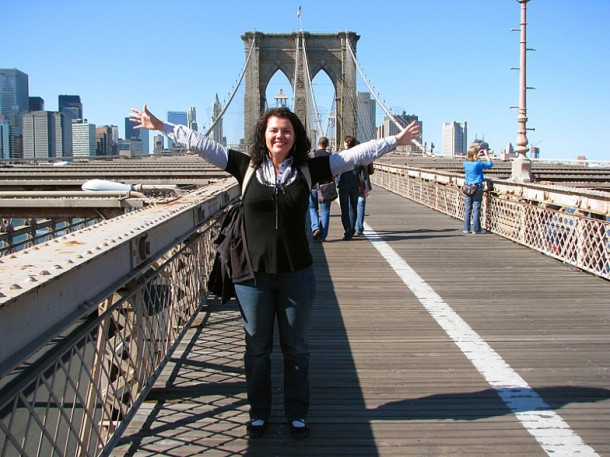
299,13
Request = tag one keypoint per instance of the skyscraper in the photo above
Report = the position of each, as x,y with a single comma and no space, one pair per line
83,138
36,104
39,135
14,95
158,144
176,117
455,138
192,118
7,137
46,134
63,135
140,135
103,141
366,117
71,106
217,133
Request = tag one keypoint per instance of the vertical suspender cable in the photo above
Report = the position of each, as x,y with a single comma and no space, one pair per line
313,98
296,73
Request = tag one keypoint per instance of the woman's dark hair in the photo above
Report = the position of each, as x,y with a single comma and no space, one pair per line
258,145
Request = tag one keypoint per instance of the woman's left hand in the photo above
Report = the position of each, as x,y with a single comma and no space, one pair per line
410,132
144,119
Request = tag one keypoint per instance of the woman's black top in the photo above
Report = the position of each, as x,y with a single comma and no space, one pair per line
275,216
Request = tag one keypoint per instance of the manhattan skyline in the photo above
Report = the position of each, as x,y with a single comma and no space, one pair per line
442,60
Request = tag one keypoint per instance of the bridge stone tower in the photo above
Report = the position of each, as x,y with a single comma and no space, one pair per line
283,52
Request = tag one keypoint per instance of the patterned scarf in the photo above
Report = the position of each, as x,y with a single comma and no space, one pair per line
266,173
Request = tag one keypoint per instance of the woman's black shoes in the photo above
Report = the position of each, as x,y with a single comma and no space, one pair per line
256,431
299,430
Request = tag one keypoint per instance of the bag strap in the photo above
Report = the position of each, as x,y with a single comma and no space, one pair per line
247,178
305,170
250,171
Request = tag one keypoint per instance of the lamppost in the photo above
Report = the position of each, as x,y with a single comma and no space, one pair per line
522,167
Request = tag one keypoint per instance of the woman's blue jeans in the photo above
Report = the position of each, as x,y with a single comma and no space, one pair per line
472,207
289,297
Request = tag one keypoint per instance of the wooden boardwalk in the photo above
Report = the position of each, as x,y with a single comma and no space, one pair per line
387,379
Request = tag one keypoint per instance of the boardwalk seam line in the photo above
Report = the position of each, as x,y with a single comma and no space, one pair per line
548,428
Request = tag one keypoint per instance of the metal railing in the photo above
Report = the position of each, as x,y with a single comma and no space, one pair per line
568,224
74,394
31,231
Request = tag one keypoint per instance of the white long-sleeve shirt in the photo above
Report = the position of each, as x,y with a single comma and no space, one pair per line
216,154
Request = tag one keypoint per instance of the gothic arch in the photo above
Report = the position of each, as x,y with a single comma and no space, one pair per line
328,52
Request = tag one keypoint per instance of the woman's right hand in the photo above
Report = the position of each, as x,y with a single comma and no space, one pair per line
144,119
410,132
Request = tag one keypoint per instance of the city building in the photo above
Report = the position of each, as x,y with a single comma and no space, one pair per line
130,148
104,145
14,95
389,128
83,138
217,133
192,118
10,140
45,134
142,135
115,136
71,106
176,117
534,152
42,135
36,104
366,117
158,144
455,139
63,135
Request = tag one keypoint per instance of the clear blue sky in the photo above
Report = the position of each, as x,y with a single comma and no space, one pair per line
444,60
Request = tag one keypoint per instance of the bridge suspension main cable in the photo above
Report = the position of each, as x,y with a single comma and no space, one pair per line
241,77
311,97
383,107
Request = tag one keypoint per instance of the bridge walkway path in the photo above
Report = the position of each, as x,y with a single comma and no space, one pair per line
397,375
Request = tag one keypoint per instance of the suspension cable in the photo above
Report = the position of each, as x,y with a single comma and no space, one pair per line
312,97
390,115
296,73
241,77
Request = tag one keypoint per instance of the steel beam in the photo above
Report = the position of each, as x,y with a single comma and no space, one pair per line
45,288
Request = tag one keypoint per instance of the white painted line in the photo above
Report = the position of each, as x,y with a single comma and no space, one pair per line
548,428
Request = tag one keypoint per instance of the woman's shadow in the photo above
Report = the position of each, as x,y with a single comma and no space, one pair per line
487,403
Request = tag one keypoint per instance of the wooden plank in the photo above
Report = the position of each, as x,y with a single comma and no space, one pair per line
386,379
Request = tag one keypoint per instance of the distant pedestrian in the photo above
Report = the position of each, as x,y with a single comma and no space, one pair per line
364,190
319,219
473,169
349,188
